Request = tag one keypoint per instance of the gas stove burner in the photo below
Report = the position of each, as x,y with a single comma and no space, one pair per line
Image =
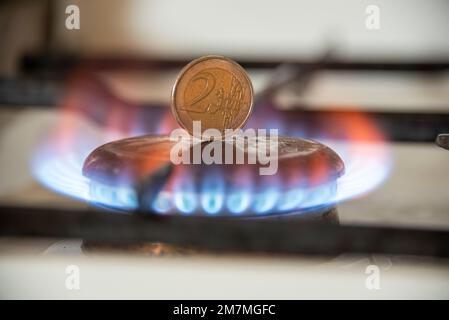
138,174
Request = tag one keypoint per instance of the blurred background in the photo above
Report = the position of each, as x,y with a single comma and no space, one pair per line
368,78
252,30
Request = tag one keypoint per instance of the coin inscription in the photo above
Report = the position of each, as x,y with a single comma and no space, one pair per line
215,91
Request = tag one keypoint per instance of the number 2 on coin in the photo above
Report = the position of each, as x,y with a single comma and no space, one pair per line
209,85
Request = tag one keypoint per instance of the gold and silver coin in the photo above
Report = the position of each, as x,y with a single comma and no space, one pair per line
216,92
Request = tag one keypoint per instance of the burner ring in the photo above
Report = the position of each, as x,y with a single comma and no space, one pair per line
138,174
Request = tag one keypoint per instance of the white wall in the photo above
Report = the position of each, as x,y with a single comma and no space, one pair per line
260,28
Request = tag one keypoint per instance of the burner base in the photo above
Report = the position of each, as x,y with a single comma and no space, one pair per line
325,215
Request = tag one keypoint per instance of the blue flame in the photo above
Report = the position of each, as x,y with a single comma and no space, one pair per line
266,200
163,202
367,166
62,173
111,196
238,201
185,202
212,194
319,195
291,199
185,196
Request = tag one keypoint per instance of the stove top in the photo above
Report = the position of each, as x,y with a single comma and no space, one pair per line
381,186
